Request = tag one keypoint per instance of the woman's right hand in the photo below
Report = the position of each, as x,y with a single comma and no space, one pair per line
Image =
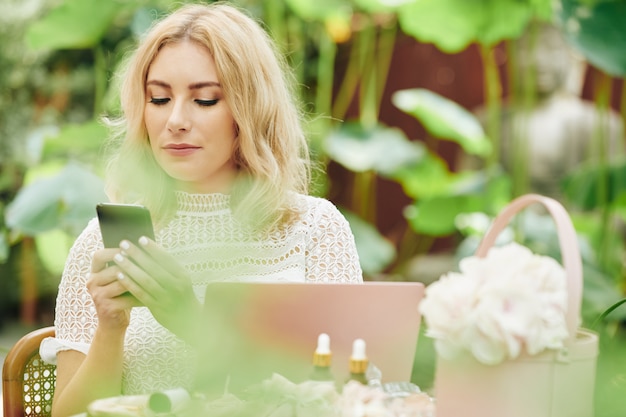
112,301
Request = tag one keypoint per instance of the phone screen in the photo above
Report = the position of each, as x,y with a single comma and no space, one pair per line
123,222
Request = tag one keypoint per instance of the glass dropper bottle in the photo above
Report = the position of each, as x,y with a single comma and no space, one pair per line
358,362
322,358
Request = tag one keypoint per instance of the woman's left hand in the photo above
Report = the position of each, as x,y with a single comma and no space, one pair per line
160,283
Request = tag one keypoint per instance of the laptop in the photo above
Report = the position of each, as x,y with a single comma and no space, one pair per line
257,329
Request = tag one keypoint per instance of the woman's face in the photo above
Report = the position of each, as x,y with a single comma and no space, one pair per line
191,129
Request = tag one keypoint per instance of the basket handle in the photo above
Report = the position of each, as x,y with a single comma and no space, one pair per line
568,243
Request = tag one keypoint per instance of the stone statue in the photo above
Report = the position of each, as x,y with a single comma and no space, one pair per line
559,130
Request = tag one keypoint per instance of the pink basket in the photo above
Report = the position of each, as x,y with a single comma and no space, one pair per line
554,383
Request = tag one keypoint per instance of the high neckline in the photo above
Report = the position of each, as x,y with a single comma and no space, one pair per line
191,202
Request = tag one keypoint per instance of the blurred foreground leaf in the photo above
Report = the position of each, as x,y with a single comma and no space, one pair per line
73,24
598,30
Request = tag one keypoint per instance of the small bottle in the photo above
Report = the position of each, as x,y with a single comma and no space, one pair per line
322,359
358,362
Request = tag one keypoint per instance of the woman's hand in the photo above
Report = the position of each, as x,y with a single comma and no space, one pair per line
110,297
160,283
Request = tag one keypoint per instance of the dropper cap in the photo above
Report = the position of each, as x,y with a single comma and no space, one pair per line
358,360
322,354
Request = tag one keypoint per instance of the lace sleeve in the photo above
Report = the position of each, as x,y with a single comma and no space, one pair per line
75,314
331,254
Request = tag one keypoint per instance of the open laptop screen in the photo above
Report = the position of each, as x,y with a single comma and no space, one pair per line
256,329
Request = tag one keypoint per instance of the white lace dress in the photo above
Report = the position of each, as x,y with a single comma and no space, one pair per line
203,235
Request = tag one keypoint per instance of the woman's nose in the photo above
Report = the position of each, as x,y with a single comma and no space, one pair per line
178,120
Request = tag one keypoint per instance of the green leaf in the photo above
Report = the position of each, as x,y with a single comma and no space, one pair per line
593,186
143,18
436,216
74,24
444,119
319,10
75,140
65,200
426,178
543,9
454,24
598,31
378,6
375,252
52,248
381,149
597,295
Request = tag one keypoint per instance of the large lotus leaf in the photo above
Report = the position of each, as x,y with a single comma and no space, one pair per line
436,216
426,178
319,10
592,186
143,18
444,119
454,24
543,10
76,139
620,206
381,149
598,32
375,252
74,24
376,6
66,200
52,248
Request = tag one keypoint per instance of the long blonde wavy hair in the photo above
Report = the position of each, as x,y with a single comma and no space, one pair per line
271,150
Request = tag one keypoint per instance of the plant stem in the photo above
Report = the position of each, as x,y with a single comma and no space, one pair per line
274,12
623,103
386,44
350,80
363,194
602,98
367,97
325,77
493,93
100,76
296,47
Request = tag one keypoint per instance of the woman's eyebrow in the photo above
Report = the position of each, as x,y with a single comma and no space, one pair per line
202,84
159,83
193,86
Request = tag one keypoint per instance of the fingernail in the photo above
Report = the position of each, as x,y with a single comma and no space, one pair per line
143,241
120,276
118,257
124,245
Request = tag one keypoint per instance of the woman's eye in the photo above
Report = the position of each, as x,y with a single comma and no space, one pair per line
207,102
159,101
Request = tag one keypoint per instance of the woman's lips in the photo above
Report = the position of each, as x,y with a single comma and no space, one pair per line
180,149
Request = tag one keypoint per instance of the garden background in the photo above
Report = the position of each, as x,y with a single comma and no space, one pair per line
408,103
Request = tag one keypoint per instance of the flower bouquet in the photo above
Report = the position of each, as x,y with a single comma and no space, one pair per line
498,306
506,329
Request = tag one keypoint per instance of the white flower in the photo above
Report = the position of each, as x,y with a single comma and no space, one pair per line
498,306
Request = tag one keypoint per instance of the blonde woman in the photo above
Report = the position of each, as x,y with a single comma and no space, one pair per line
211,143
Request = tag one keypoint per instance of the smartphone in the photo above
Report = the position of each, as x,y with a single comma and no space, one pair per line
123,222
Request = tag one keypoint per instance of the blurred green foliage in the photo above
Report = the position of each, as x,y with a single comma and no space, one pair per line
77,67
57,81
